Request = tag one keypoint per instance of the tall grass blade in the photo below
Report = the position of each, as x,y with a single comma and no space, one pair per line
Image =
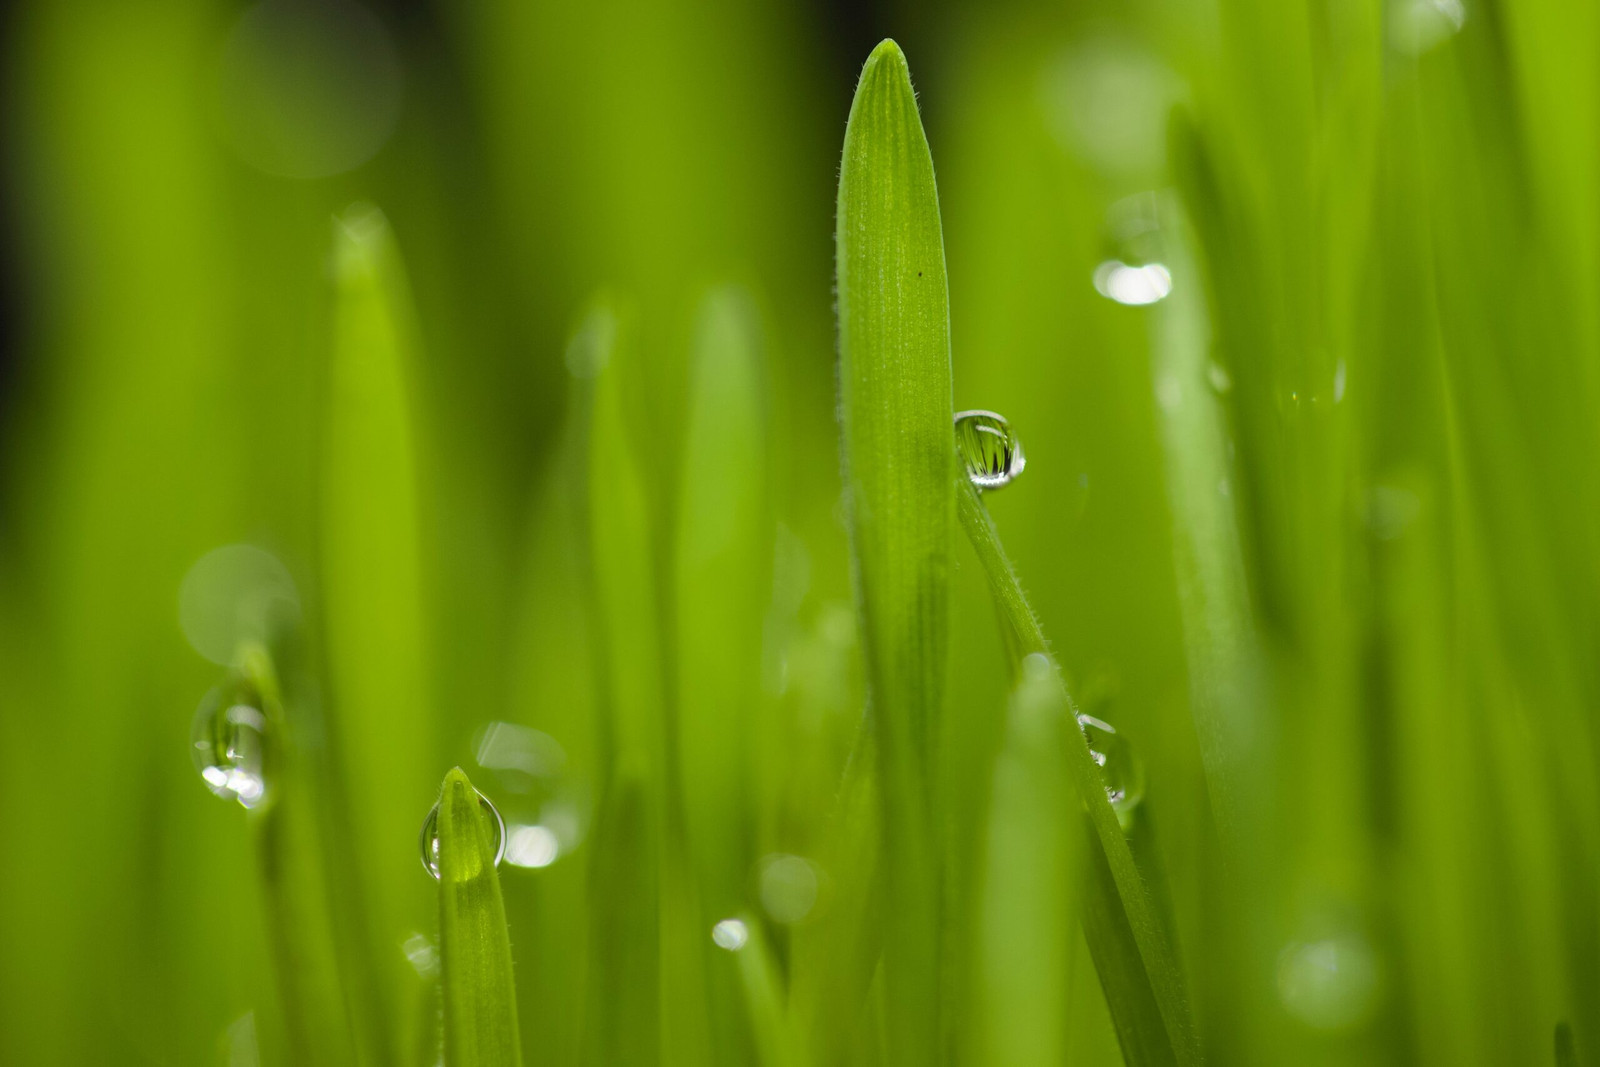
894,380
294,884
480,999
1138,966
1028,892
373,589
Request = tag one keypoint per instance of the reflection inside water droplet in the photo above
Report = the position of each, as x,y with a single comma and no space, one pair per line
991,452
429,838
228,743
730,934
1119,765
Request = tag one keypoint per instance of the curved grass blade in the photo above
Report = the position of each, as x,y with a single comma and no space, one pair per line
480,998
1143,981
775,1042
895,404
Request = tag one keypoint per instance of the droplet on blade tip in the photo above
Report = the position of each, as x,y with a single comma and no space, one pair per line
428,840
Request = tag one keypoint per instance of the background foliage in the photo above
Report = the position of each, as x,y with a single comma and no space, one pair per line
507,328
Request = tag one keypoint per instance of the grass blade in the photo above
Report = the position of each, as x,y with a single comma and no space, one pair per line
480,999
1143,981
293,881
894,378
372,581
1030,874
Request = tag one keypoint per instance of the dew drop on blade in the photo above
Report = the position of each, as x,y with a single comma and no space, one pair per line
991,453
229,747
730,934
1119,765
428,840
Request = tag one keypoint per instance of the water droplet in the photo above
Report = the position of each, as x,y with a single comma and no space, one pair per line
429,838
992,453
308,90
234,594
532,846
1134,285
1418,26
1169,392
244,1050
1338,382
789,887
730,934
229,747
543,801
1390,511
1330,983
423,955
1219,378
1119,765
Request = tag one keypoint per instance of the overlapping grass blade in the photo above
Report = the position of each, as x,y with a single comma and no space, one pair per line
894,378
479,993
290,856
1027,918
1138,966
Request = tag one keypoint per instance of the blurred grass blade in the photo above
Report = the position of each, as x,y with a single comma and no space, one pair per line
776,1045
1026,919
644,913
480,999
1122,921
372,581
723,551
294,885
894,380
1566,1052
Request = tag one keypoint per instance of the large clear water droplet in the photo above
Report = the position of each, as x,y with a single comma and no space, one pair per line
1329,983
1119,765
429,838
991,452
229,746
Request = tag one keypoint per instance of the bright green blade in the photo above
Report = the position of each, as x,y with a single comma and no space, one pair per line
372,589
480,998
894,380
1144,983
1028,913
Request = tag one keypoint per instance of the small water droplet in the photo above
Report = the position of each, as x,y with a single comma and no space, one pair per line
1134,285
1119,765
1338,382
1390,511
229,747
532,846
789,887
1219,378
992,453
1169,392
423,955
730,934
429,838
1329,983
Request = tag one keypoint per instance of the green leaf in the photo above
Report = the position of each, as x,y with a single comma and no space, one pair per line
1139,970
895,404
480,999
